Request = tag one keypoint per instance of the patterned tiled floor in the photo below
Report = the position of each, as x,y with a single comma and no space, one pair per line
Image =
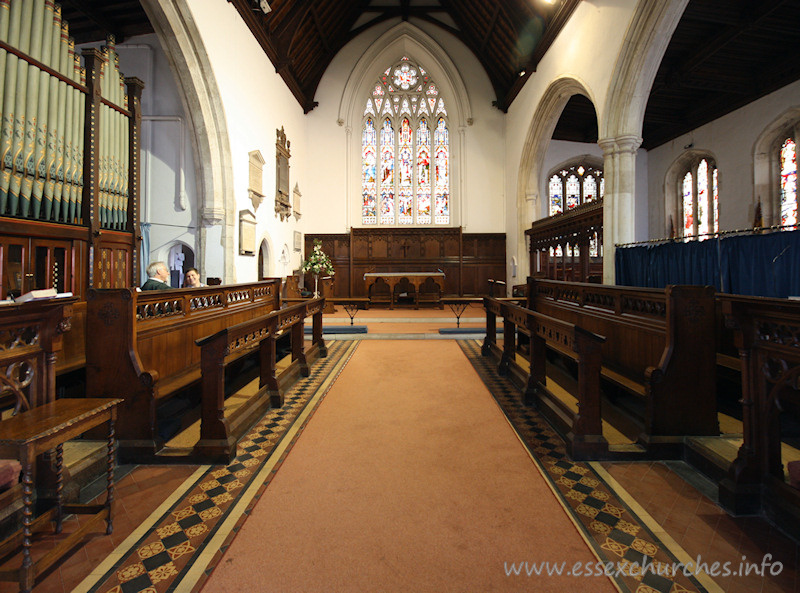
181,546
615,533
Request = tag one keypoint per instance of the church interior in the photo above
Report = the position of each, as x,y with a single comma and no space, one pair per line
515,304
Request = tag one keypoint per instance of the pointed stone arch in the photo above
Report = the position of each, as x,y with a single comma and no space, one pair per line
672,180
405,39
183,45
540,133
766,163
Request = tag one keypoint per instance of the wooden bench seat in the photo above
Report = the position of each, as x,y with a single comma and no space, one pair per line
220,429
141,347
584,429
657,350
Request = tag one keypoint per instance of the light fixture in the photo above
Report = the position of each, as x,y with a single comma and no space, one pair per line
522,73
264,5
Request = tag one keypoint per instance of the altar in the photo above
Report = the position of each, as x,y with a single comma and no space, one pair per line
417,280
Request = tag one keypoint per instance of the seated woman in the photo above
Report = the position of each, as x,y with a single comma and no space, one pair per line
192,279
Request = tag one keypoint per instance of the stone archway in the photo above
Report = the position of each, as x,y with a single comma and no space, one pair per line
540,134
173,24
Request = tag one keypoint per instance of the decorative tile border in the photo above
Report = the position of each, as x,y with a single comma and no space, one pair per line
174,552
614,532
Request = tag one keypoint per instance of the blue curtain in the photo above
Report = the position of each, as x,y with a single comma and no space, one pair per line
145,252
757,265
762,265
656,266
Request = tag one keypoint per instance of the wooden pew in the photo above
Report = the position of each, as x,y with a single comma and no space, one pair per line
767,337
659,348
584,431
141,347
220,433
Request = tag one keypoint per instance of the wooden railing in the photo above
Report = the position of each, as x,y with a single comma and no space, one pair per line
141,346
585,437
219,432
660,347
768,339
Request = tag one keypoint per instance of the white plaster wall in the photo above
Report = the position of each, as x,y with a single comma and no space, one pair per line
332,202
168,190
256,103
586,51
730,139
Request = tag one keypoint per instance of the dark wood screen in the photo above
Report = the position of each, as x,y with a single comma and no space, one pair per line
467,259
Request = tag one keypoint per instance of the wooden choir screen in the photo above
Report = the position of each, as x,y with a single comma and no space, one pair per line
468,260
568,246
68,157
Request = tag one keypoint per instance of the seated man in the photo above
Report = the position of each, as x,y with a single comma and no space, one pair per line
157,276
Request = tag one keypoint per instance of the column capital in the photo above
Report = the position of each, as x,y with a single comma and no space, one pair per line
629,143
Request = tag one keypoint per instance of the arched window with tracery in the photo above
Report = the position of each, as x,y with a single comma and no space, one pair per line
573,186
788,183
699,190
404,132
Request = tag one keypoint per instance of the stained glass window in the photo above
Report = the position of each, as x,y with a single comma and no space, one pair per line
369,213
387,173
688,206
789,183
405,214
715,198
573,186
442,200
413,146
573,192
700,199
556,189
555,194
423,172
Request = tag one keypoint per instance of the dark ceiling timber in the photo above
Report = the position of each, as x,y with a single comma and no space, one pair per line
723,54
508,38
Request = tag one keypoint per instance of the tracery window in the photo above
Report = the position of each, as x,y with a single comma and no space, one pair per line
574,185
699,188
405,150
788,164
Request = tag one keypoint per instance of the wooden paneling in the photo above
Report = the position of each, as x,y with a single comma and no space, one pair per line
468,260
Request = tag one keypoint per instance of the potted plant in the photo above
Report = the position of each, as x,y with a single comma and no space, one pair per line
317,263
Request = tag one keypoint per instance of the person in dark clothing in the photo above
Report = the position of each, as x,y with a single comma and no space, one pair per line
157,274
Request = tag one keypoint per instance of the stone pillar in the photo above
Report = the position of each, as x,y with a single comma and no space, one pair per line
619,171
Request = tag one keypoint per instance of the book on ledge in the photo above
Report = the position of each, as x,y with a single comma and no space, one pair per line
41,294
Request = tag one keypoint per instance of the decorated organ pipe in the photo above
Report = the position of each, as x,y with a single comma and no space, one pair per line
55,165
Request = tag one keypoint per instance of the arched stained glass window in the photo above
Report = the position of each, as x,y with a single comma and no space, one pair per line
405,214
442,202
423,172
700,199
387,172
574,186
573,192
789,182
688,206
556,195
703,222
369,158
414,148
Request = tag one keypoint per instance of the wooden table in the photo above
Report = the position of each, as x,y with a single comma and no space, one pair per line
32,433
416,279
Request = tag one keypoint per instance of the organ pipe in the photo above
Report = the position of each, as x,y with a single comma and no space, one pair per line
46,144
